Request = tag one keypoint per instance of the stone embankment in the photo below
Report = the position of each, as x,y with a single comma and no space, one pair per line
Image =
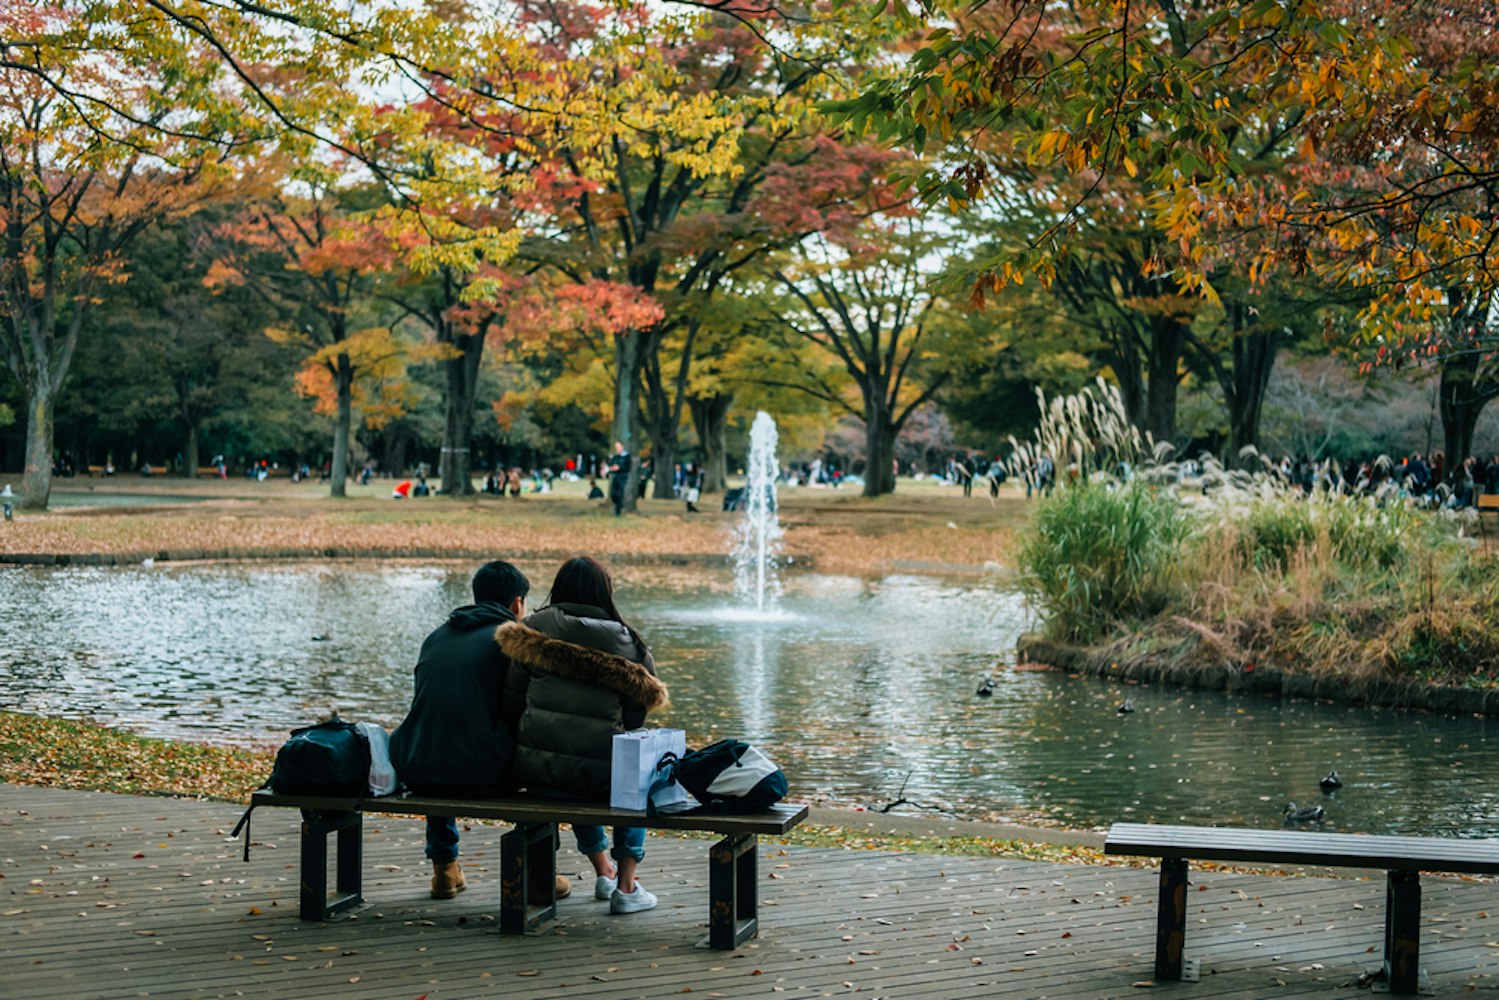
1142,668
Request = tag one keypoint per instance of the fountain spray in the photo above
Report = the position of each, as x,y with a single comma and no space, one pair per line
757,538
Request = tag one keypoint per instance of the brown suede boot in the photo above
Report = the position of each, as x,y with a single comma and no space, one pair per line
447,880
563,888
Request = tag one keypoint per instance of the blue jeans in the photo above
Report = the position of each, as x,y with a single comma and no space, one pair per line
629,841
442,839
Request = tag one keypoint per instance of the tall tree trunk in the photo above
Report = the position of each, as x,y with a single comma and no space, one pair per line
1461,401
879,448
190,453
343,378
663,434
1124,361
710,417
455,467
395,449
665,401
1467,381
36,477
1167,341
664,453
1254,359
628,350
1243,380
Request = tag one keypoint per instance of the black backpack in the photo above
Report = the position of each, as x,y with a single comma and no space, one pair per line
730,776
330,758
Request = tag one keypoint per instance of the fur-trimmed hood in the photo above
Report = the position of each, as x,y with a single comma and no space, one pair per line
572,661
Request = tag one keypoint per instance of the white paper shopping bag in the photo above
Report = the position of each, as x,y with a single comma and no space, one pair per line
633,768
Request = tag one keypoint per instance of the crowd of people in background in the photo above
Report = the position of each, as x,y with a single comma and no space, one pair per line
1426,481
1423,478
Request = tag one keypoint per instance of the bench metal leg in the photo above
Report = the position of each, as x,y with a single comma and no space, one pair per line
733,891
315,904
1171,924
528,878
1402,933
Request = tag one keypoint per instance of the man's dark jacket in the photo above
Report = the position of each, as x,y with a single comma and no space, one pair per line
454,739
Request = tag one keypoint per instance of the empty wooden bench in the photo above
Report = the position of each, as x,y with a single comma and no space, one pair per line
528,857
1488,503
1403,859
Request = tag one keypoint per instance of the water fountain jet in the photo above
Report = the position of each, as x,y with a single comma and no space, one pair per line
757,538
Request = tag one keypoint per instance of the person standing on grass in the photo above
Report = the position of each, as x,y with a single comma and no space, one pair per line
619,477
578,676
454,742
692,487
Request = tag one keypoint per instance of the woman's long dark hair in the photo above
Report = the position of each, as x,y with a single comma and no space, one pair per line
582,580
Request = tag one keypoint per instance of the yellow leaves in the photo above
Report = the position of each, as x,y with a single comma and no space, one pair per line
1129,167
379,360
1054,141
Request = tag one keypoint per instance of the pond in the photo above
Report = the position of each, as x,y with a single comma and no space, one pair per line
863,689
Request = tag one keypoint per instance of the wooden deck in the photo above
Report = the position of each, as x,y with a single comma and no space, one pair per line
115,896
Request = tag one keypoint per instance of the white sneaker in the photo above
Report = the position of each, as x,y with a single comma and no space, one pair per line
604,886
632,902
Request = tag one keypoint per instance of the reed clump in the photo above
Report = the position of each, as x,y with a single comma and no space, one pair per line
1097,555
1193,566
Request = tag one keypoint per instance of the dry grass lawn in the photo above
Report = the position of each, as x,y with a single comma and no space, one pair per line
922,525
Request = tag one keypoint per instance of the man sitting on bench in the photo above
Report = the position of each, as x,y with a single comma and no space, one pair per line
454,742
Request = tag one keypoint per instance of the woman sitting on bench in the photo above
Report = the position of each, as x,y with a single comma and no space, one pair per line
579,675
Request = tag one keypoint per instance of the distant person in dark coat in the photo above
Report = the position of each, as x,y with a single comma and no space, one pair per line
619,476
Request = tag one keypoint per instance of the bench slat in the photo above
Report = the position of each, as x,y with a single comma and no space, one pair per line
778,820
1298,847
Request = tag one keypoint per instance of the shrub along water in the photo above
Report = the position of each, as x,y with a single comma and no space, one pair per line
1196,567
1101,554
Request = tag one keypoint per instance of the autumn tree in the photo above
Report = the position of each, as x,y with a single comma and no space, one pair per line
712,156
168,360
870,306
305,252
1419,222
1190,98
460,331
78,184
1148,156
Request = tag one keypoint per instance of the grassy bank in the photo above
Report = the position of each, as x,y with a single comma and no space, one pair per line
837,530
1366,591
1182,571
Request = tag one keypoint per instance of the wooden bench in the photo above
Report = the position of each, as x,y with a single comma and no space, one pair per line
1488,503
528,858
1402,858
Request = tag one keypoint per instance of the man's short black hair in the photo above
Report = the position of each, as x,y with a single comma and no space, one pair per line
499,583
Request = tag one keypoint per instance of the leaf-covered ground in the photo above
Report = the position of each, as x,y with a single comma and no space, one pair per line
65,753
62,753
839,531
